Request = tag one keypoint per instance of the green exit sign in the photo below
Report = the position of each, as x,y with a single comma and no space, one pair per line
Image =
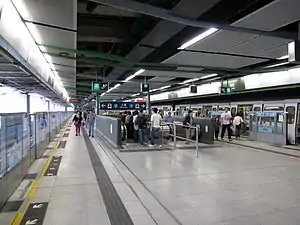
145,87
226,90
99,86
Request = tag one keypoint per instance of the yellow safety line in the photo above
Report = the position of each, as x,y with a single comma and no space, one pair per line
34,188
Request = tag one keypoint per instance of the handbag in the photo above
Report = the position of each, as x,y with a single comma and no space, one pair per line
76,123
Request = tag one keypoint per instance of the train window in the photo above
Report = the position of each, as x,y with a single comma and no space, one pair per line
233,111
290,114
257,109
214,109
274,108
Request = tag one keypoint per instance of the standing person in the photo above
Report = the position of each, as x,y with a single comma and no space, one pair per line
216,122
141,122
77,122
168,118
129,124
225,121
188,122
156,121
91,123
237,123
135,126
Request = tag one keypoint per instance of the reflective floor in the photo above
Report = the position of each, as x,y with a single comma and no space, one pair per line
226,185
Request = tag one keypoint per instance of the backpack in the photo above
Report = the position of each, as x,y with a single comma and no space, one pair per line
128,119
141,121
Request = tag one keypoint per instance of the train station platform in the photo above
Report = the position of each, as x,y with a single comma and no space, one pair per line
84,182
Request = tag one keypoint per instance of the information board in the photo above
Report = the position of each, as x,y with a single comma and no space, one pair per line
122,105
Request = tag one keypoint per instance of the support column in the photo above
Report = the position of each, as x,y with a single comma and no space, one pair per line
97,104
28,103
49,119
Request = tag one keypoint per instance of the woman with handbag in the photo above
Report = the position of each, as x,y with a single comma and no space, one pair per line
77,122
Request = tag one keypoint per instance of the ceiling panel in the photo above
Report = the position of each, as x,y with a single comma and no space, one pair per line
171,74
257,46
212,60
221,40
264,19
161,79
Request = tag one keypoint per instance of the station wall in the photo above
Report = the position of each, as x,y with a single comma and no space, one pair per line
253,81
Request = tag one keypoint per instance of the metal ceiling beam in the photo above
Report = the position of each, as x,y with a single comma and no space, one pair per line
153,11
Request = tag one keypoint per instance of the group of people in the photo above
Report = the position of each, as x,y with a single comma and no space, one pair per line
139,123
88,119
227,122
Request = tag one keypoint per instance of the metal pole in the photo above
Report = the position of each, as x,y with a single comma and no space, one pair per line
174,133
197,148
149,104
97,104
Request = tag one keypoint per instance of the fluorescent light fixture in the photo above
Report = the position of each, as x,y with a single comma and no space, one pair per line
278,64
139,72
34,32
135,74
135,94
189,81
165,87
198,38
102,94
22,8
283,57
209,76
114,87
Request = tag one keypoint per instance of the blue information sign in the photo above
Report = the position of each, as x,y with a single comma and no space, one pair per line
122,105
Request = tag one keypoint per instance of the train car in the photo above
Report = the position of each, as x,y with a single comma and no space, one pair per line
291,107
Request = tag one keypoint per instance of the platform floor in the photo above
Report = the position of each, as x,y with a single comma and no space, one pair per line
226,185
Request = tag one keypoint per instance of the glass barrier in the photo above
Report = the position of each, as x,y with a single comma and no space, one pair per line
267,122
20,132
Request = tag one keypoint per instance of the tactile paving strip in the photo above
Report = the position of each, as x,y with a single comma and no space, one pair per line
116,210
62,144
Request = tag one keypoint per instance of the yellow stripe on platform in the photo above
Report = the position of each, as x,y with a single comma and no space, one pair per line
33,190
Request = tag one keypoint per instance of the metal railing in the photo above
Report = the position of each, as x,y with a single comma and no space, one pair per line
175,137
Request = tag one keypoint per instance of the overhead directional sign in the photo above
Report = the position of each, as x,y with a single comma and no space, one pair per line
122,105
225,90
96,86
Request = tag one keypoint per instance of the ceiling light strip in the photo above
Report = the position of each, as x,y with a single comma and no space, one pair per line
198,38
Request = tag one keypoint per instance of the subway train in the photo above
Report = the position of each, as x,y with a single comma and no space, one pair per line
291,108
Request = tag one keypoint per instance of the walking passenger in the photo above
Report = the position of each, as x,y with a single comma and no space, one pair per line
77,122
156,121
188,122
91,123
237,123
141,122
225,121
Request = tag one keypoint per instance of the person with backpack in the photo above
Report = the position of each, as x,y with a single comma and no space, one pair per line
237,123
141,122
78,122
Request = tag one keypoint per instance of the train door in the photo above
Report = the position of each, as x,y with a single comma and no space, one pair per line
290,109
245,111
